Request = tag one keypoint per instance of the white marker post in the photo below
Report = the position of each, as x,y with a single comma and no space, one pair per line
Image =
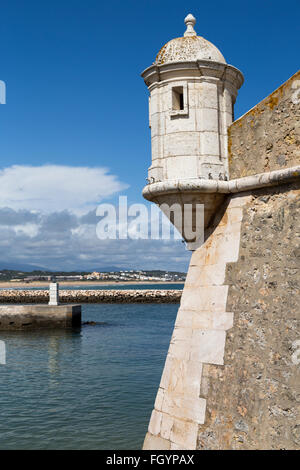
53,293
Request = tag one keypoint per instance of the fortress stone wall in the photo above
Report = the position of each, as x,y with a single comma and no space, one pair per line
253,399
267,137
232,374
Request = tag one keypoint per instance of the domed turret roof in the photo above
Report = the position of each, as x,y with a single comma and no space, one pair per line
190,47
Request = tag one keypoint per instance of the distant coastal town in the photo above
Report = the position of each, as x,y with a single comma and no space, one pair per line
7,275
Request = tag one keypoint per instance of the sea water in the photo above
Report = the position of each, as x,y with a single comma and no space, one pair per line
88,388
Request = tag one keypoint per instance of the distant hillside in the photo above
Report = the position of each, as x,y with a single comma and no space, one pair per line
22,267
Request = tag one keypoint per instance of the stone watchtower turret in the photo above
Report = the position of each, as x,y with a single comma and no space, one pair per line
192,95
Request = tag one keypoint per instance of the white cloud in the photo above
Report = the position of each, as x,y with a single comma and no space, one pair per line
48,218
50,188
60,240
30,230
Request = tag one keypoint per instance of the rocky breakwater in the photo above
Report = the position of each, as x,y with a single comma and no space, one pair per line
10,296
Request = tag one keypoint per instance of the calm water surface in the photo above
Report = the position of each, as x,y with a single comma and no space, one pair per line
91,388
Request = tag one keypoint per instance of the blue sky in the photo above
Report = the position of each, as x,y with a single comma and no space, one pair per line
75,98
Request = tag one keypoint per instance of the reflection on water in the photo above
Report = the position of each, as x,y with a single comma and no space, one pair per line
54,359
88,388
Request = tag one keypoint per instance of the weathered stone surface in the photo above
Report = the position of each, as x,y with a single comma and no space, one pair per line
25,317
155,442
232,369
184,407
190,107
208,346
253,401
199,334
268,136
184,434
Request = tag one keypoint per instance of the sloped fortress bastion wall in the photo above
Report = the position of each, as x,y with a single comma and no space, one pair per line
252,399
231,379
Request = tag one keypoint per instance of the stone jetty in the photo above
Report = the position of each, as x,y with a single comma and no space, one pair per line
10,296
29,316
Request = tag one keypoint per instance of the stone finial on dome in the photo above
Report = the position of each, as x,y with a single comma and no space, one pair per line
188,48
190,22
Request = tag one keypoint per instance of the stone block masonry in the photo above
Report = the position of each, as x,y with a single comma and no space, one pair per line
253,400
267,137
27,317
192,93
231,379
199,336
